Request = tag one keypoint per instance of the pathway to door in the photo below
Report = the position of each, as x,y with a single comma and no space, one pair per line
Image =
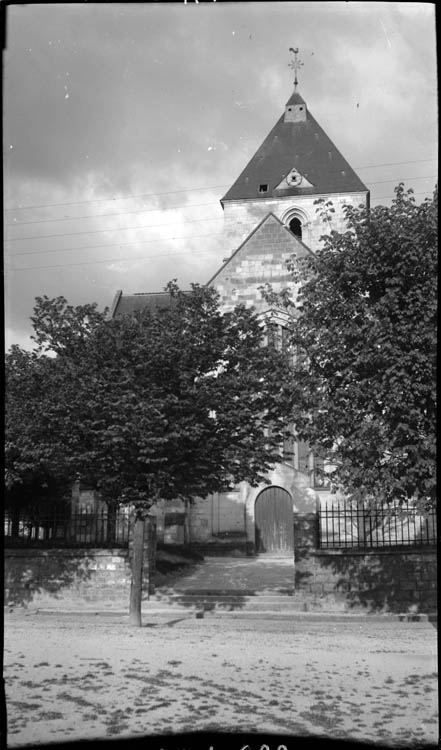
225,584
261,573
265,581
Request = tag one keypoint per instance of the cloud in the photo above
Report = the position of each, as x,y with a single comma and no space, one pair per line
163,99
19,337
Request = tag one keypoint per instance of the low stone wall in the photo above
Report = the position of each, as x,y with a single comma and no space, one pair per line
306,531
73,577
392,580
395,579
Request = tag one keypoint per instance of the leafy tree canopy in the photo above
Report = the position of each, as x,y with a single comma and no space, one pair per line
366,343
36,474
179,402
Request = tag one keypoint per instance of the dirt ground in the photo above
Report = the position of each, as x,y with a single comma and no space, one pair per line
80,677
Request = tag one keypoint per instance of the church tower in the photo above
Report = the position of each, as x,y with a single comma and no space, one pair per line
296,164
270,211
270,215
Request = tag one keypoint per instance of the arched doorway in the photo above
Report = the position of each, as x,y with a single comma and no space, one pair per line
273,515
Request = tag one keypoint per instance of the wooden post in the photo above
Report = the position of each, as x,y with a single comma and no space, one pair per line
137,570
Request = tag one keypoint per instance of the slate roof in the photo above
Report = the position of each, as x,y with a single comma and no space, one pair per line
128,304
303,145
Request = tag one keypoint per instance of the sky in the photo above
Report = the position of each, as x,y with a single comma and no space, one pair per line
125,124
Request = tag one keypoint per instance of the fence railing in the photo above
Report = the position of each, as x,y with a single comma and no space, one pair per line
92,529
344,524
341,525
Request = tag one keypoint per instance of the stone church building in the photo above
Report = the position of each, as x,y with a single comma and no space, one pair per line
269,214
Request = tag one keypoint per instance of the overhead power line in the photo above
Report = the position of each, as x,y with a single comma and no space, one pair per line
79,248
400,179
90,231
110,260
113,244
188,190
123,259
395,163
115,198
169,208
115,213
145,226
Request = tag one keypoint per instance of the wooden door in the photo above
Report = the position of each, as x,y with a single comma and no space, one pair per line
274,521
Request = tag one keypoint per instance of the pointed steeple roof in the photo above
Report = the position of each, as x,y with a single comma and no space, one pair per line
295,98
296,142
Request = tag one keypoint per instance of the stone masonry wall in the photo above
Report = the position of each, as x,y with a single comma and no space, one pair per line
217,514
402,579
73,577
261,260
217,524
241,217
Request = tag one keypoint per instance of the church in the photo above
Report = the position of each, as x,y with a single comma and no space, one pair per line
270,213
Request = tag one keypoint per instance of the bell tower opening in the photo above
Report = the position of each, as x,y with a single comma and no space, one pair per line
295,226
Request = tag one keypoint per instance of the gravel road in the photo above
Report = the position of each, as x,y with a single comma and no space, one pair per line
81,677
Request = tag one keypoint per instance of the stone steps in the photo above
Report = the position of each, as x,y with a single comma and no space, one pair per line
256,586
226,574
220,585
218,601
223,593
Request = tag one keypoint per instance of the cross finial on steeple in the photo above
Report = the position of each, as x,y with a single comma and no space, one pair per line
295,64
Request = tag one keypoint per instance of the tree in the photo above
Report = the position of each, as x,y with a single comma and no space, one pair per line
366,343
176,403
36,475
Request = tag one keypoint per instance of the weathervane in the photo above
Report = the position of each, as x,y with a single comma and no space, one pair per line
295,64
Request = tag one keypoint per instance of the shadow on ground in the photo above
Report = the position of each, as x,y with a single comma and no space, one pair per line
226,583
171,565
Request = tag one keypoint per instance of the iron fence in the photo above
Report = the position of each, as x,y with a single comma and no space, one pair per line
82,529
345,524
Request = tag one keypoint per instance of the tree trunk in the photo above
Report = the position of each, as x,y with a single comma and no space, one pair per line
137,570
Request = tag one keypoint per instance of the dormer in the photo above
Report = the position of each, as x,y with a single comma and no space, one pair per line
295,109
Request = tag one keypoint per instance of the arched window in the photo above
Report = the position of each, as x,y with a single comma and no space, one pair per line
278,336
297,221
295,226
